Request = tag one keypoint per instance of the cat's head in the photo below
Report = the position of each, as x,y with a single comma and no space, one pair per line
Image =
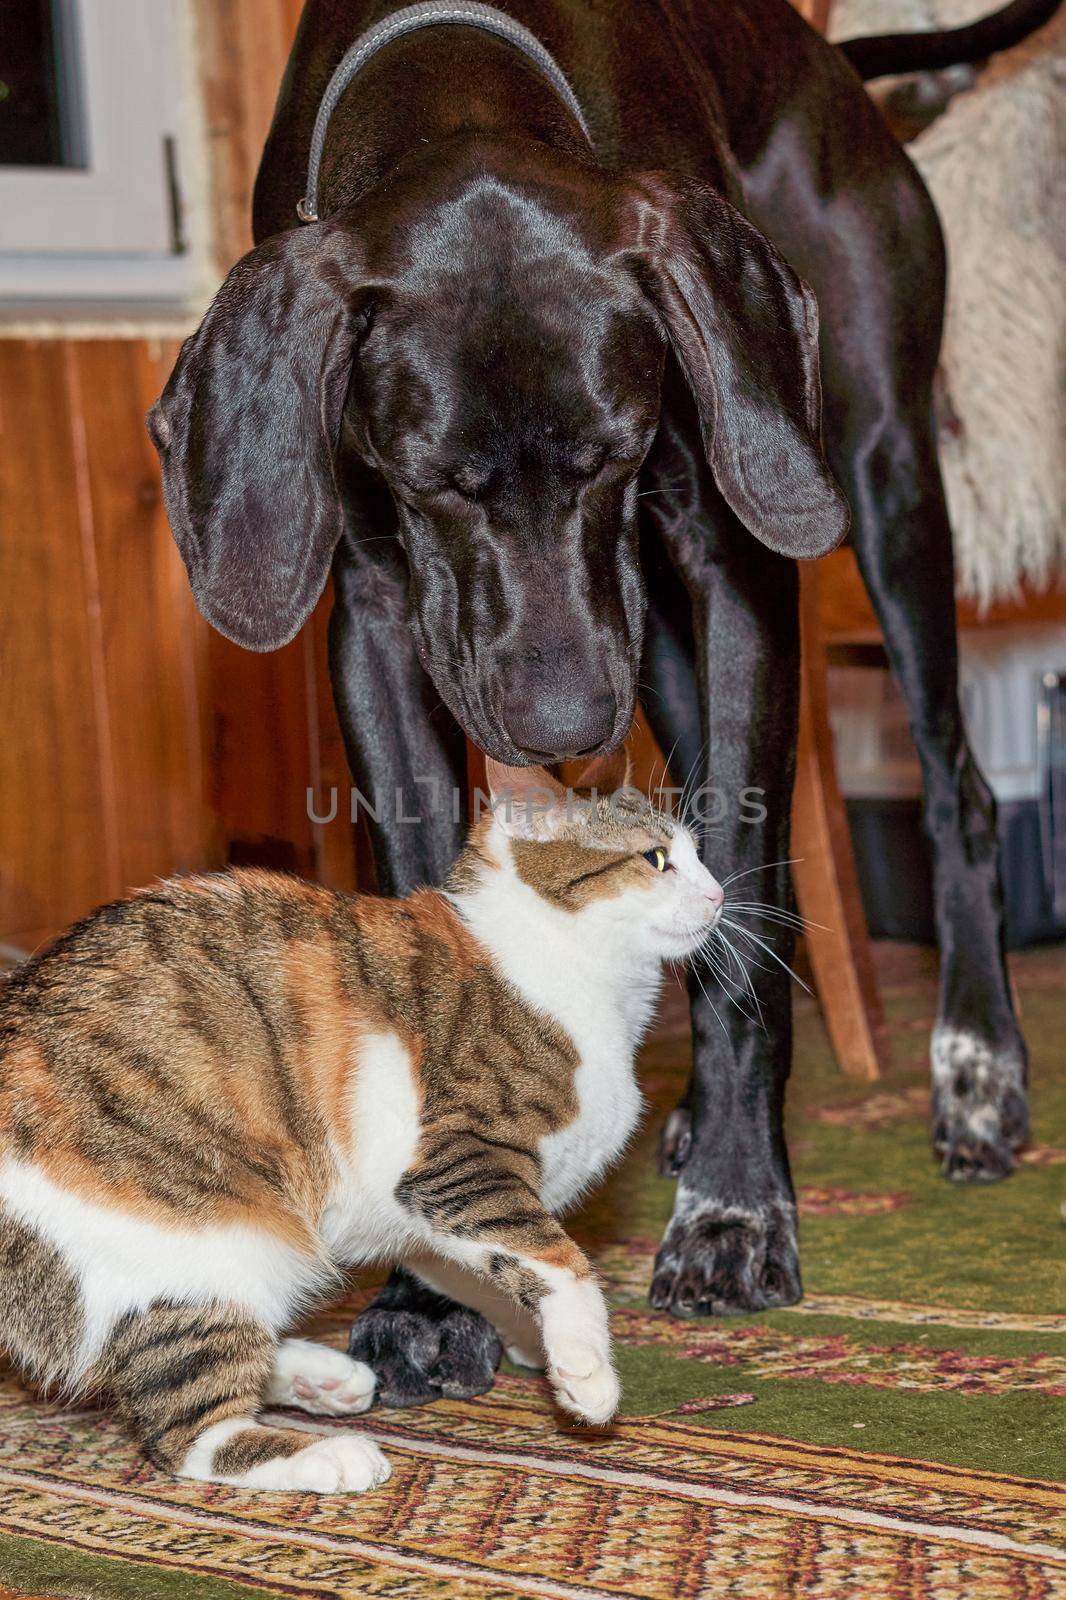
601,852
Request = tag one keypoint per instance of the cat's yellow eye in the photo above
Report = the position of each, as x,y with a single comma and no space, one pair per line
657,858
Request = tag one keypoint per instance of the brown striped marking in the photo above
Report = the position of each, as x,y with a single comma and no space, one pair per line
252,1446
593,849
41,1317
178,1370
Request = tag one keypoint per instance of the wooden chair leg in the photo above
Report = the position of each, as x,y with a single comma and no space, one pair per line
827,887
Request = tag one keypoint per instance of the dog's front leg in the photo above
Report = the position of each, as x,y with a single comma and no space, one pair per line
406,752
731,1245
408,760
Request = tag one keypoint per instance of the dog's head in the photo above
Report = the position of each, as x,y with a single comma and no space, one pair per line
490,339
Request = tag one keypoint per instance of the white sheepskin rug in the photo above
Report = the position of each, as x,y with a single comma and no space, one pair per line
995,161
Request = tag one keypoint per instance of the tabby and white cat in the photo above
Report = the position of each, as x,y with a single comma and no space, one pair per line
219,1092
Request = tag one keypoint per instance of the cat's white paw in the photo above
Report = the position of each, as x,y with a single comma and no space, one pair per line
578,1343
320,1380
343,1463
584,1381
524,1357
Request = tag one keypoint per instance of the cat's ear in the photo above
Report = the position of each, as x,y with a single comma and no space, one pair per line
528,802
606,774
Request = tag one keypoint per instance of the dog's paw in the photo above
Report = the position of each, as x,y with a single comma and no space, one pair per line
980,1111
470,1351
320,1380
722,1259
675,1142
422,1346
343,1463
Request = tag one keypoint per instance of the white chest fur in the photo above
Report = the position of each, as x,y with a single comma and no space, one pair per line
609,1109
549,958
362,1220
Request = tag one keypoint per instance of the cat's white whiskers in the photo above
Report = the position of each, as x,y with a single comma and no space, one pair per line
766,866
725,975
793,919
711,1003
745,974
746,933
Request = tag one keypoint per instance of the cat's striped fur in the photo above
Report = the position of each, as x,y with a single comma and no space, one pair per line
218,1093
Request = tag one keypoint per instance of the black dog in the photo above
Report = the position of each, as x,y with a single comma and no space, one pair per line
554,416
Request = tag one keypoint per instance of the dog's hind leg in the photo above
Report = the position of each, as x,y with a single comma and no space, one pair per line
865,235
880,436
903,543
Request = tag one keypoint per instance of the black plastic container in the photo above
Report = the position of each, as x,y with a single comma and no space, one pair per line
896,880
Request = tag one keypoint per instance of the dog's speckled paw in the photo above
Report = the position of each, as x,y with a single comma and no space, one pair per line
980,1111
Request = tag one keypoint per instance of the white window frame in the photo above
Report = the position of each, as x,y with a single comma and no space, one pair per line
114,234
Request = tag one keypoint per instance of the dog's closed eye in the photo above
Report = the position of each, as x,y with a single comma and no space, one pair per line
470,480
587,459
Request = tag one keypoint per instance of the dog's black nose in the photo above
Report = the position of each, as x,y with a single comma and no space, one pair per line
556,724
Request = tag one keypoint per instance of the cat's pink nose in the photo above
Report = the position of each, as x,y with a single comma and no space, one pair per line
716,895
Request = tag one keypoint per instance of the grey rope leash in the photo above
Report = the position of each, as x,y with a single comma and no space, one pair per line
428,14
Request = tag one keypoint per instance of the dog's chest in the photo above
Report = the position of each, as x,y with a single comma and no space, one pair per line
609,1106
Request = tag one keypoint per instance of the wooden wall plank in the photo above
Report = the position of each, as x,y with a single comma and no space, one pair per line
260,754
55,838
152,634
135,740
243,47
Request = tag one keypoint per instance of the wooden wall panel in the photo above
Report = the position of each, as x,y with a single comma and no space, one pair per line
58,823
243,47
153,641
134,741
260,753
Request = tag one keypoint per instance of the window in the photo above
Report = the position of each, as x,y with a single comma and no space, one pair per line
94,125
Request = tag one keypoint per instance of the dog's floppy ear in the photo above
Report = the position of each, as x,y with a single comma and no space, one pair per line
744,329
247,429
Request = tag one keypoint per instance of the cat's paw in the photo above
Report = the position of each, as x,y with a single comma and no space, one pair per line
578,1346
320,1380
584,1381
343,1463
522,1356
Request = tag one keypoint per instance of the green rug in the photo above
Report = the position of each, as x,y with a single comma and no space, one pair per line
934,1315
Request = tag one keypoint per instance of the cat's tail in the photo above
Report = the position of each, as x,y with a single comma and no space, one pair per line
885,55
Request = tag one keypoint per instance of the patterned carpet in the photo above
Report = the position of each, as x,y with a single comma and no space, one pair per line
897,1436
